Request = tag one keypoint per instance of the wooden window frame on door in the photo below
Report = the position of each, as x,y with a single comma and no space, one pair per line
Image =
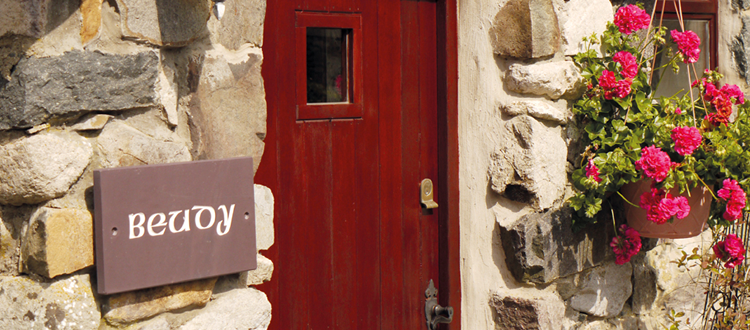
343,110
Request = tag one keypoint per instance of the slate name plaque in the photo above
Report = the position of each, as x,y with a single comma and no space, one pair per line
162,224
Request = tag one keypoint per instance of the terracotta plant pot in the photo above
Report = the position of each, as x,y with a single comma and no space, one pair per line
692,225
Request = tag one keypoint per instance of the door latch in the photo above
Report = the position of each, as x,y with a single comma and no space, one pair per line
434,313
426,192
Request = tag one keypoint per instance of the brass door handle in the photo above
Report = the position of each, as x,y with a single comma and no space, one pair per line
426,192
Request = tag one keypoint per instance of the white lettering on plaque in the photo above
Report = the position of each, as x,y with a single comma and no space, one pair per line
162,222
185,221
138,226
156,221
227,220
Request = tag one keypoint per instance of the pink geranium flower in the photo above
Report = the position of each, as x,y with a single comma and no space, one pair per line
688,43
731,250
631,18
735,197
613,87
734,92
592,171
628,63
626,245
661,206
654,162
686,139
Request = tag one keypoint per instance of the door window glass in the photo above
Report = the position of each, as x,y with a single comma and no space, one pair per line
327,65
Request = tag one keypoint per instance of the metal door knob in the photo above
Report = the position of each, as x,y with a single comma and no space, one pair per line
434,313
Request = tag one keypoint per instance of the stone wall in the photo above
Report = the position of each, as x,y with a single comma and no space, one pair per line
95,84
522,266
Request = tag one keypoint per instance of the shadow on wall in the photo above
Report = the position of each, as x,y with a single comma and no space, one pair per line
22,22
498,257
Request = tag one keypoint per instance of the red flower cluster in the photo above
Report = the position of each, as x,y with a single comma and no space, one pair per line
613,87
626,245
631,18
721,99
686,139
628,63
731,250
654,162
688,43
735,197
592,171
661,206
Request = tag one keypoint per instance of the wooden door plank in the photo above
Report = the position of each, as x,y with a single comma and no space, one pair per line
369,155
414,275
346,218
388,52
275,77
428,146
316,232
297,256
368,245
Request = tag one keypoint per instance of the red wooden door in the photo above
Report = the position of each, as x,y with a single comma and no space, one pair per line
352,91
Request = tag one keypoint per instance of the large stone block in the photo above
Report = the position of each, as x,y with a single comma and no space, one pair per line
77,82
525,29
223,313
242,23
264,231
65,304
529,165
58,241
172,23
41,167
581,18
132,306
604,291
119,145
551,79
228,105
540,248
527,310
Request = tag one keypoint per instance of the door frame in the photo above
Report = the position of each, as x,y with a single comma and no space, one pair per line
448,157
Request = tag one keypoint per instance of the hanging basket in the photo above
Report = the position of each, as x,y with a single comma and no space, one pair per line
690,226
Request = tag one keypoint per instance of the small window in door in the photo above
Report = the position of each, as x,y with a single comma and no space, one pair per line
328,65
329,79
